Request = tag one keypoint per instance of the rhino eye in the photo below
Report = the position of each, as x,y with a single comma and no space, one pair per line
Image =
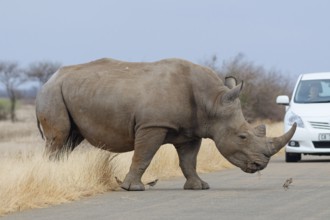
242,136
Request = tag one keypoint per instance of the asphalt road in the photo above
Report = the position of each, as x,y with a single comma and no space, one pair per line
233,195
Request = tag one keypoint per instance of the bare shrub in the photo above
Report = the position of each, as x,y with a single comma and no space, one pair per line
261,87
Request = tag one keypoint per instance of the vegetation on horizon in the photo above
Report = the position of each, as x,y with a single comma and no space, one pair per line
12,76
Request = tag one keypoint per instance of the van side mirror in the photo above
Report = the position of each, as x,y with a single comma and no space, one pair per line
282,100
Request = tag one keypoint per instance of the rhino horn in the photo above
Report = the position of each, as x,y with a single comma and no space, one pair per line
276,144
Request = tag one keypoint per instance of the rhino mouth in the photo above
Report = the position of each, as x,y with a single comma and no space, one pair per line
253,167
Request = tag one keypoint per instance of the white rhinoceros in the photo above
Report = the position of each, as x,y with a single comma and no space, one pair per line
124,106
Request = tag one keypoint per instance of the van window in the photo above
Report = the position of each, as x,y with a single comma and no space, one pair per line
313,91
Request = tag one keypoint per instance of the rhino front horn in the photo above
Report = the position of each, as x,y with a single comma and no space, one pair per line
276,144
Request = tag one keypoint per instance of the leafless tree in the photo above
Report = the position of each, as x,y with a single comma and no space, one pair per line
11,76
42,70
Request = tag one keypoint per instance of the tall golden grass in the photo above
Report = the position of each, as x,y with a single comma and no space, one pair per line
29,180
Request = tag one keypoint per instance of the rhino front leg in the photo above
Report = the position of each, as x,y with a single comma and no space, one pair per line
188,159
147,142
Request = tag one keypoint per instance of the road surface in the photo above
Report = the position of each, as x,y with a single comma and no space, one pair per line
233,195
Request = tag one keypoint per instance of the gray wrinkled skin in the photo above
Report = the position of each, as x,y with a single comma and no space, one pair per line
121,106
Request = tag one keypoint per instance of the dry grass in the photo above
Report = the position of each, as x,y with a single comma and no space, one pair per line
28,180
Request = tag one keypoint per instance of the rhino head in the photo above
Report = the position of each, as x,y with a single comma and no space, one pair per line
243,145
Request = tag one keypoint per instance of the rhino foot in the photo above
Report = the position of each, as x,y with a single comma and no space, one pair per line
132,186
196,184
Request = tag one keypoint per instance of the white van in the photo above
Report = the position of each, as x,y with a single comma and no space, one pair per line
310,109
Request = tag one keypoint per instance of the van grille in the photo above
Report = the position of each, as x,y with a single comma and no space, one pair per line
321,144
320,125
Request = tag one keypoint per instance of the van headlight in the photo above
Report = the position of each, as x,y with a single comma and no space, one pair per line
292,118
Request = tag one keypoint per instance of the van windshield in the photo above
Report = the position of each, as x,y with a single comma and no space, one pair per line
313,91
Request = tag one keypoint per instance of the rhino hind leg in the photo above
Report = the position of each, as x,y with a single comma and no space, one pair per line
59,130
56,135
147,142
74,138
188,159
61,140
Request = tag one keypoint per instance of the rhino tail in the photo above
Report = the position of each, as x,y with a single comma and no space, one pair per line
39,128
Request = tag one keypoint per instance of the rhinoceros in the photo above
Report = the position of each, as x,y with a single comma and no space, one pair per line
124,106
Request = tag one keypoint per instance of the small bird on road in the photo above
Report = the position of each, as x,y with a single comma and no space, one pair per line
152,183
287,183
118,181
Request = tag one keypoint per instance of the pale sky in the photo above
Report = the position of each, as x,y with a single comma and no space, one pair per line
291,36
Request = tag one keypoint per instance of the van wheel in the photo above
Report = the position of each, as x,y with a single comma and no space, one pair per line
292,157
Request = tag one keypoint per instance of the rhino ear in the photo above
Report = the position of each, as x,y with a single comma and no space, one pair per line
230,82
232,94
